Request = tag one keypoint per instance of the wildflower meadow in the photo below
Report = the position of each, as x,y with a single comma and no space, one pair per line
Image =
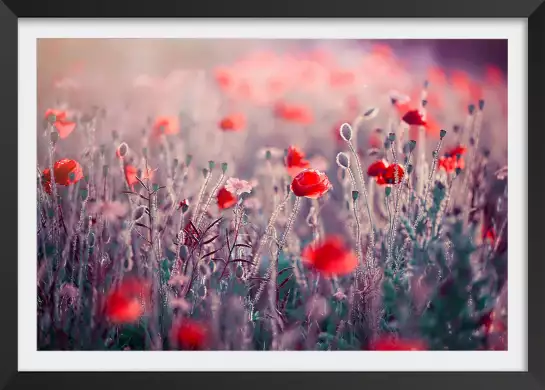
325,196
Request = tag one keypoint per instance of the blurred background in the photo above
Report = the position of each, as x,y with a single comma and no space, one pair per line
136,80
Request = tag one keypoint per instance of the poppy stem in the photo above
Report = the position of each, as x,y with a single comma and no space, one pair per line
199,198
281,243
422,210
358,233
212,195
395,221
256,259
364,190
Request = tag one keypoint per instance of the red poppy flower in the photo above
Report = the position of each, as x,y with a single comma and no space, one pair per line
184,204
448,164
460,149
63,126
488,233
390,174
131,173
450,161
378,168
331,257
233,122
380,180
295,161
414,118
66,172
310,183
294,113
395,344
166,125
191,335
226,199
127,303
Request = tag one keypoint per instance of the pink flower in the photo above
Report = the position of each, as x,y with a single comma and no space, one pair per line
238,186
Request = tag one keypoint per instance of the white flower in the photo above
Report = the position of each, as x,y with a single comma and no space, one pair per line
238,186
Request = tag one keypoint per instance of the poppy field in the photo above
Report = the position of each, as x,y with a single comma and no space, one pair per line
326,197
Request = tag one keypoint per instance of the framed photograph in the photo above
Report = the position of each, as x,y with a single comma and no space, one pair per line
282,194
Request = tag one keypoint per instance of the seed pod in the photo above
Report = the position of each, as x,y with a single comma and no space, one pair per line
343,160
122,150
346,132
138,213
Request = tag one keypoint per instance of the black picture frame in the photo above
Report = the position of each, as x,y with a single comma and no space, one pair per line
11,10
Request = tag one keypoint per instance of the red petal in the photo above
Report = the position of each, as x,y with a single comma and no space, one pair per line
378,168
64,128
226,199
331,257
414,118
